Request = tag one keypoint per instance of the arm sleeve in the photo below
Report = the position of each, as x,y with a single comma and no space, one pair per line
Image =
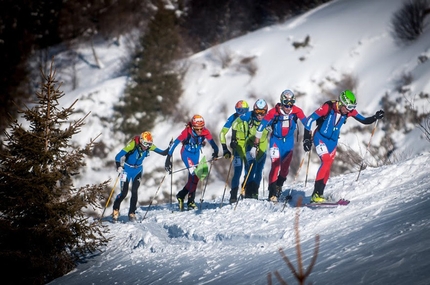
159,151
173,146
360,118
214,146
222,134
225,128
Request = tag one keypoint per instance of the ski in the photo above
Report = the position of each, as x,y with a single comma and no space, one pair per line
341,202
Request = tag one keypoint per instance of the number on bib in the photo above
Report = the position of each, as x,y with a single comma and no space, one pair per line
274,152
321,149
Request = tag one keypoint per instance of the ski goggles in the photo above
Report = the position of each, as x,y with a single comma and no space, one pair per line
241,111
147,144
288,102
260,112
349,107
198,129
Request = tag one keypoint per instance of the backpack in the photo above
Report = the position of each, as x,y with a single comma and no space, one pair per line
321,119
276,120
136,145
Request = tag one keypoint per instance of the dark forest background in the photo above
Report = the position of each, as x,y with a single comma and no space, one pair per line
33,29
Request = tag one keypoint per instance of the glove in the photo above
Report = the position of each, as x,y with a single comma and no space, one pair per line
253,152
119,169
233,144
168,164
307,145
379,114
226,153
215,155
307,135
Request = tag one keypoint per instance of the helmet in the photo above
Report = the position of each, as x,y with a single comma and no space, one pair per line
146,139
287,98
197,121
241,107
347,99
260,107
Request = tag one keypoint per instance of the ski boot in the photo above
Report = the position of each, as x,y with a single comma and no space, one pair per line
317,198
132,217
115,215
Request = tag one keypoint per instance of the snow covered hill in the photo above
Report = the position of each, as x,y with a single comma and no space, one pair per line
381,237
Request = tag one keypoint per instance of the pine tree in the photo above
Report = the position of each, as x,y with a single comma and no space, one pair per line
155,85
44,226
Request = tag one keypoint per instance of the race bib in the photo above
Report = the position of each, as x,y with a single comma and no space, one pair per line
237,161
274,152
321,149
124,177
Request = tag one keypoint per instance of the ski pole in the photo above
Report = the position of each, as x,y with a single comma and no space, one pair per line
298,170
367,149
242,191
171,188
155,195
185,168
307,168
206,184
111,192
226,180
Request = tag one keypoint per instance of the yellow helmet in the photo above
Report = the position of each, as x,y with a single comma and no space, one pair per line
146,139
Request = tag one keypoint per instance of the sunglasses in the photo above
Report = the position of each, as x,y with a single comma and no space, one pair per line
349,107
260,112
198,129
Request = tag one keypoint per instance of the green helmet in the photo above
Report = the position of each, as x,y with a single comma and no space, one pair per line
347,99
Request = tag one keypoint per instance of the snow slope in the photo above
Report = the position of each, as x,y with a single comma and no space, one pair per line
381,237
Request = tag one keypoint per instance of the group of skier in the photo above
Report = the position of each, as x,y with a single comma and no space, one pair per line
255,133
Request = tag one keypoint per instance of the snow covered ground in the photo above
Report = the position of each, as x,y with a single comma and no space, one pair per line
382,237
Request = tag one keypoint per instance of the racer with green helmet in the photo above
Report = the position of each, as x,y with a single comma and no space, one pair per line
330,118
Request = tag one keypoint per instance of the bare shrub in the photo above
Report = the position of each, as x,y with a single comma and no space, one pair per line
347,81
224,56
407,24
305,43
248,65
300,273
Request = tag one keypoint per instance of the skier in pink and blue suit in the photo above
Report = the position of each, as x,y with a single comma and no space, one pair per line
192,138
330,118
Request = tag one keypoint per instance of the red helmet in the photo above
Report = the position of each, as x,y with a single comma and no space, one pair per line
197,121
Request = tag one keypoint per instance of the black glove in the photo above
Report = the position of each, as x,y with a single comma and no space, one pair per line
379,114
168,164
307,144
165,152
307,135
225,152
233,144
215,155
